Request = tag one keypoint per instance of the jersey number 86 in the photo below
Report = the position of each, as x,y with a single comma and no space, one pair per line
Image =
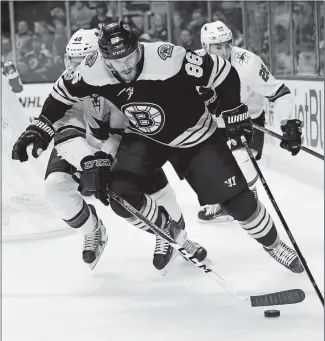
193,67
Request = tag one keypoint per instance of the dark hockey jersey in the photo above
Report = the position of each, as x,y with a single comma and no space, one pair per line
162,103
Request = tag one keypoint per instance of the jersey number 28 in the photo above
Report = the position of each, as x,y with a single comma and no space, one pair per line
193,67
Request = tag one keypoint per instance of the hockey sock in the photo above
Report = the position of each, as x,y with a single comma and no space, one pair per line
150,210
84,220
260,226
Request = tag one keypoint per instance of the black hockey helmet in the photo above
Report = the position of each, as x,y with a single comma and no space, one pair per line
117,40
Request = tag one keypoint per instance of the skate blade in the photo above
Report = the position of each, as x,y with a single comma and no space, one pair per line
181,239
217,220
104,242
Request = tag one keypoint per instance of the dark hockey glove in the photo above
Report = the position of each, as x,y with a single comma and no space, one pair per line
238,123
95,174
291,139
209,97
39,134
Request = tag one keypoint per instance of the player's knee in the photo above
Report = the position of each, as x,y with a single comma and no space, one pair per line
166,197
242,206
125,185
58,184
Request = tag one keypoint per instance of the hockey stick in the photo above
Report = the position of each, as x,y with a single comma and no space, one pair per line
278,298
272,133
276,207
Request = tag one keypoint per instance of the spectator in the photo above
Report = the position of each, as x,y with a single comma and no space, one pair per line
6,53
198,20
159,32
178,26
42,30
23,37
100,18
58,13
39,61
112,11
59,45
137,23
145,38
81,16
217,15
283,61
186,40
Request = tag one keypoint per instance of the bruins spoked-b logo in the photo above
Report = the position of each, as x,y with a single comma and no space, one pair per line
147,118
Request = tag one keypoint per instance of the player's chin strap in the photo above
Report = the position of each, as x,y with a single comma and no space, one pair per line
272,133
278,298
286,227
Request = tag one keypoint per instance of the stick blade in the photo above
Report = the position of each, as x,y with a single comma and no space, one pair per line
278,298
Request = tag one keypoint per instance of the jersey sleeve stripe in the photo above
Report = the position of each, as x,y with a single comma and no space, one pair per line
221,76
214,72
68,133
60,98
282,91
62,85
204,128
61,91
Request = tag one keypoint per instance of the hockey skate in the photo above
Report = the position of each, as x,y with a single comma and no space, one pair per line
94,243
286,256
214,214
164,254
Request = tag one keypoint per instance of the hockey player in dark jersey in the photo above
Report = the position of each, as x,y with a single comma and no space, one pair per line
154,85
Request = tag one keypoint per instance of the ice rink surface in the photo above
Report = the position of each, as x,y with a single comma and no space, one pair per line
50,295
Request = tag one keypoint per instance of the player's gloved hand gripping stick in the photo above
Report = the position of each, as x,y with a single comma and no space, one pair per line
272,133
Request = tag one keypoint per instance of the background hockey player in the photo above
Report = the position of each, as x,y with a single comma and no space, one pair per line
92,125
154,85
257,86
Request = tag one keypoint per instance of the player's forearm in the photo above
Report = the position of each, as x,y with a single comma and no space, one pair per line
53,109
111,145
283,101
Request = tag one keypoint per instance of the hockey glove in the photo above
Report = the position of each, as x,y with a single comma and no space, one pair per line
238,123
291,139
95,174
39,134
209,97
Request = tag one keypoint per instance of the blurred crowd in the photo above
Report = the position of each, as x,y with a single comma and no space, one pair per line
43,30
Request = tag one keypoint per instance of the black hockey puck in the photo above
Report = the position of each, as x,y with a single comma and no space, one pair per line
272,313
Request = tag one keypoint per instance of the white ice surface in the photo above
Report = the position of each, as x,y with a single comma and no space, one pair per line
49,294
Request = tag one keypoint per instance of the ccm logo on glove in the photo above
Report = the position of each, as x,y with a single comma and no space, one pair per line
97,163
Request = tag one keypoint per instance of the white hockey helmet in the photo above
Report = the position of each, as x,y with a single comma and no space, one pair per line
215,33
80,44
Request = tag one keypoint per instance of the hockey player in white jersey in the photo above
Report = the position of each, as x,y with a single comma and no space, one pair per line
257,86
93,126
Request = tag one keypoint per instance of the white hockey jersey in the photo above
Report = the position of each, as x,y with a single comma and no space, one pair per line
87,127
258,85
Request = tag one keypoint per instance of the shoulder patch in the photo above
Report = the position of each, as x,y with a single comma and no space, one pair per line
91,58
241,57
72,75
165,51
200,52
69,73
